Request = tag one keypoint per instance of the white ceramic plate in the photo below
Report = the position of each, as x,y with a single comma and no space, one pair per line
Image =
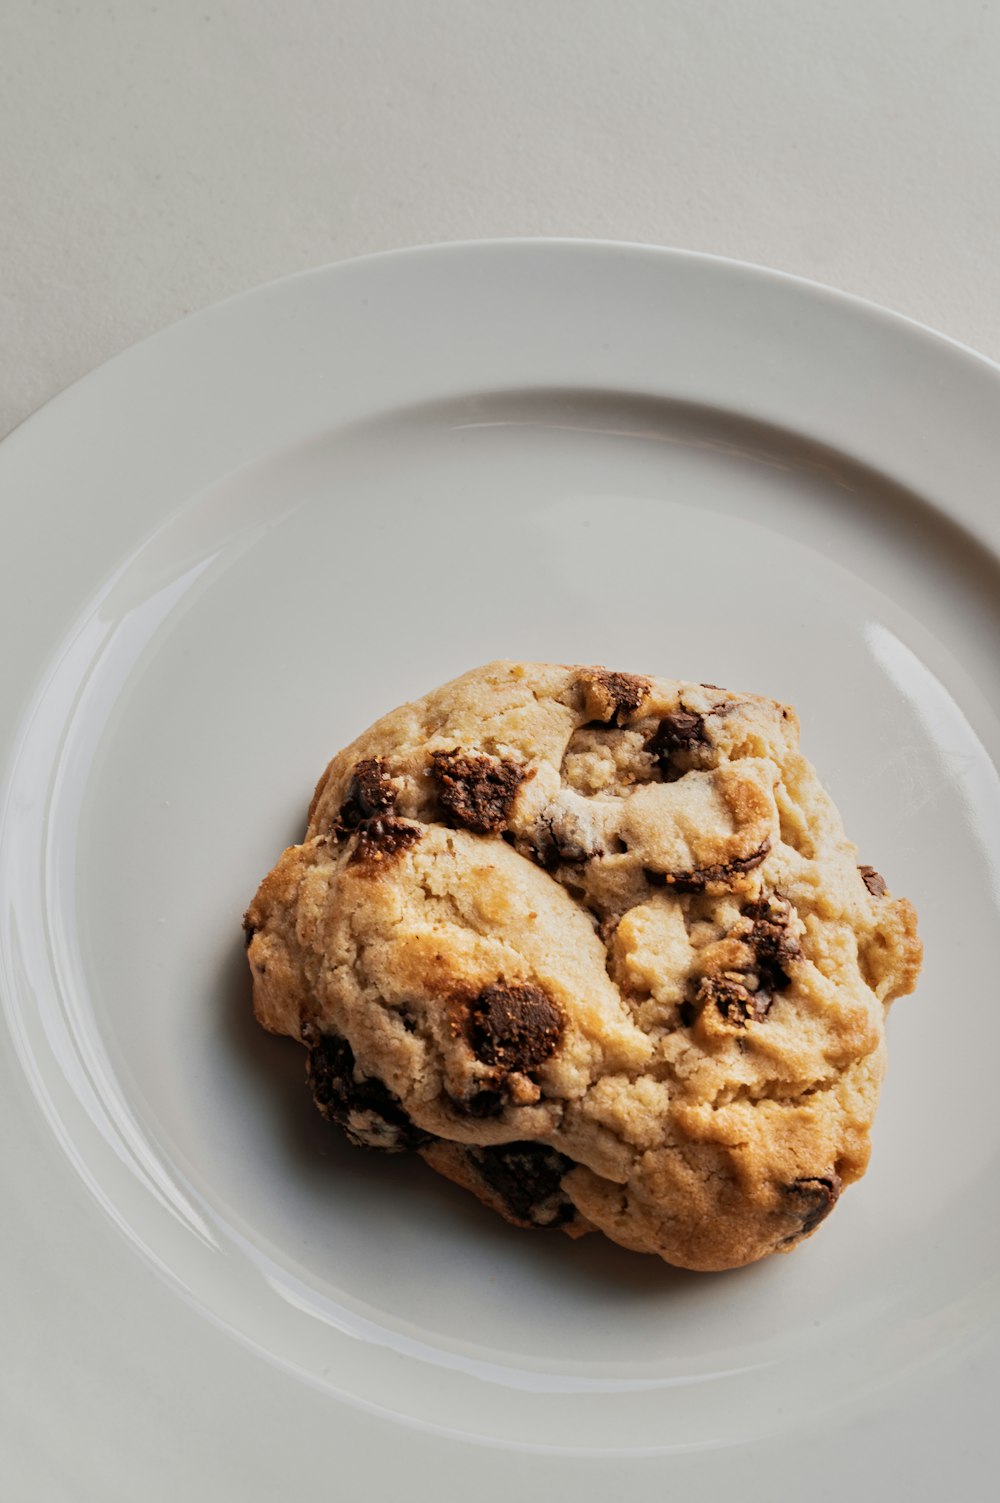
224,554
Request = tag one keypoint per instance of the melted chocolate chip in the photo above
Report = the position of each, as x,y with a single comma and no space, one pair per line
733,1001
614,697
874,882
701,877
381,839
477,792
369,794
814,1199
528,1179
366,1110
514,1027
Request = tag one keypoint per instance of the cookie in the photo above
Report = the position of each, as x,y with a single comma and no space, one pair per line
596,947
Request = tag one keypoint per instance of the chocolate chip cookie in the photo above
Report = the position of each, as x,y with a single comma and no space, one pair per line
596,947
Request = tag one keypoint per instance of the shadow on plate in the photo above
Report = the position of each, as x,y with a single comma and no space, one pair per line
401,1185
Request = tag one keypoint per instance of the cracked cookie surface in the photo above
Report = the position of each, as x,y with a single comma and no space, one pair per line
596,946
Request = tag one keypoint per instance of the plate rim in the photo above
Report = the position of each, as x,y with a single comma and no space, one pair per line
422,248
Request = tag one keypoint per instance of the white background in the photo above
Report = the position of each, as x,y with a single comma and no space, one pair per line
157,157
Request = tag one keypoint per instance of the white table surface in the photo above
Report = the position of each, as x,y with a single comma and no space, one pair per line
155,158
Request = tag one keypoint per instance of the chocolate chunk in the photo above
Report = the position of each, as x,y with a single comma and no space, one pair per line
366,1110
528,1179
249,930
733,1001
773,946
814,1199
680,731
477,792
380,839
701,877
369,794
611,698
365,812
745,995
508,1029
555,842
680,744
514,1027
874,882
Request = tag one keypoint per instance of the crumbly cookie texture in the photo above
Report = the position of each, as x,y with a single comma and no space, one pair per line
596,946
